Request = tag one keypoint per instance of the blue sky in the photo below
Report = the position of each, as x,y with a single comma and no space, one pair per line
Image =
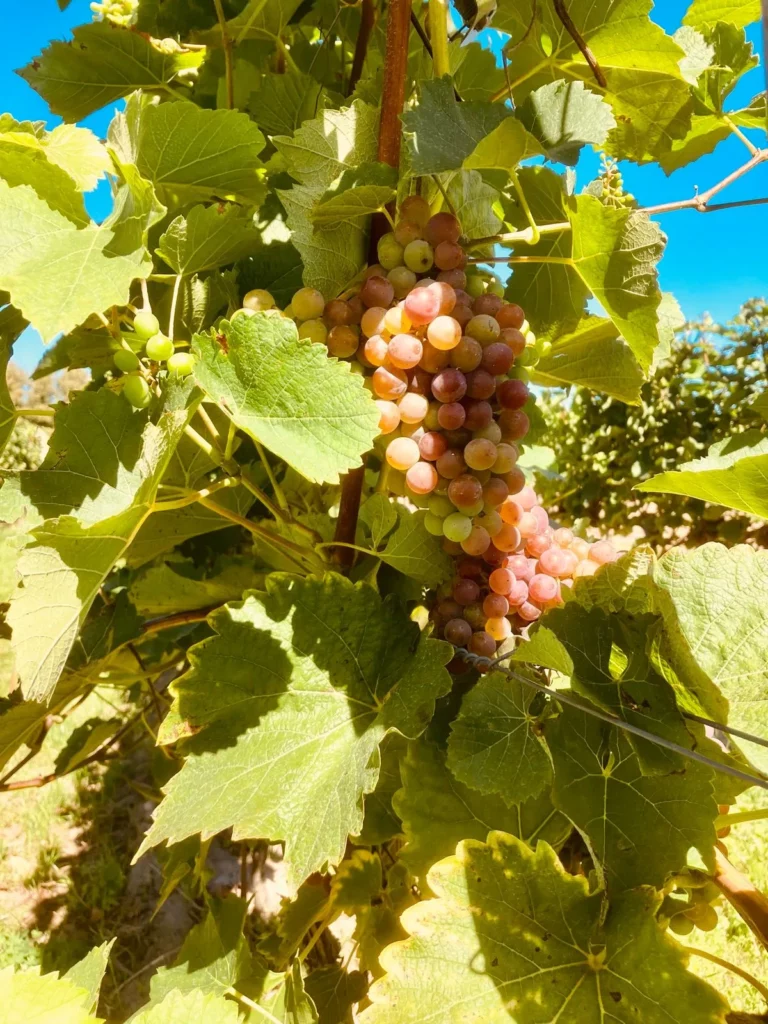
712,262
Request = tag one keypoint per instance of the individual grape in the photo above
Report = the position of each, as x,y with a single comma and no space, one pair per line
475,285
377,292
457,632
500,581
542,519
450,464
356,309
389,416
432,445
480,384
506,457
180,364
529,612
495,605
433,525
519,592
465,491
487,305
514,424
440,505
512,394
314,331
402,453
136,391
552,562
527,525
446,295
703,915
458,527
396,320
452,548
508,538
159,348
457,438
495,492
681,924
413,407
585,568
479,414
563,537
570,562
375,270
579,547
376,350
257,299
443,227
414,430
406,232
456,278
389,251
515,480
419,256
512,512
444,333
146,324
603,552
483,329
405,351
490,521
480,454
449,256
466,356
499,628
518,564
338,313
491,433
421,478
510,315
477,542
450,385
544,589
497,358
129,361
527,498
496,287
402,280
389,382
528,357
536,545
308,304
373,321
493,556
422,305
451,415
514,339
482,644
343,341
465,590
462,314
433,360
416,209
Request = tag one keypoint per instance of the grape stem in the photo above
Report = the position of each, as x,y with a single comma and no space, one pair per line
34,412
258,531
226,43
725,820
740,135
145,295
190,497
438,30
534,233
750,978
245,1001
174,300
748,902
444,194
210,426
574,33
277,489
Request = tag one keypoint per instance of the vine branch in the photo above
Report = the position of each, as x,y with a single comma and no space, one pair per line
574,33
749,903
367,21
226,43
750,978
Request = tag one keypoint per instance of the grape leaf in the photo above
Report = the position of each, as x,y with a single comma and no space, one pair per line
322,149
475,71
700,591
78,152
334,991
93,347
379,513
89,972
189,152
287,704
44,999
698,53
285,998
704,14
503,148
283,102
473,200
160,590
358,192
183,1007
564,117
638,827
381,823
733,56
82,274
592,355
102,64
441,133
415,552
259,19
23,161
286,393
276,267
22,723
208,237
493,746
734,473
357,881
624,585
438,811
511,936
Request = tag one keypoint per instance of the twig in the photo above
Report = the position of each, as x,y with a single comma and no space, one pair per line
438,30
23,412
700,201
226,43
749,903
258,531
174,300
367,20
534,233
750,978
178,619
210,426
444,194
574,33
278,491
740,134
726,820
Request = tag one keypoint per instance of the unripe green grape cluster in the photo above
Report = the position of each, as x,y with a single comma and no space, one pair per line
119,12
445,357
157,348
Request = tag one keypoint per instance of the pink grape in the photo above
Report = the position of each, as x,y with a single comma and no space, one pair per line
603,552
570,561
552,563
461,313
527,498
422,305
457,632
375,350
512,394
413,407
527,525
377,292
500,581
541,517
402,453
519,592
529,612
421,478
514,340
477,542
537,545
585,568
455,277
451,415
389,416
520,566
375,270
563,537
465,490
449,256
450,464
514,424
432,445
493,556
405,351
515,479
544,589
444,333
579,547
447,296
465,591
510,315
482,644
508,538
495,605
497,358
480,384
389,383
487,305
420,382
479,414
512,512
450,385
443,227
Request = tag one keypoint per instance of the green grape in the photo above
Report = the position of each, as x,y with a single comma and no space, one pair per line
258,299
433,524
390,252
519,372
457,527
125,360
159,348
703,916
136,390
314,330
475,286
495,287
544,349
239,313
419,256
308,304
145,324
528,357
441,506
181,364
681,925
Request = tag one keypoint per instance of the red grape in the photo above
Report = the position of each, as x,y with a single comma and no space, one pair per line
515,479
544,589
487,305
514,424
451,464
479,414
510,315
500,581
455,278
465,591
457,632
514,340
338,312
482,644
377,291
497,358
465,491
443,227
422,305
451,415
449,256
495,492
416,209
432,445
511,394
433,359
450,385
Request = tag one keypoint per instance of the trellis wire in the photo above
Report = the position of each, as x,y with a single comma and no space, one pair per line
566,698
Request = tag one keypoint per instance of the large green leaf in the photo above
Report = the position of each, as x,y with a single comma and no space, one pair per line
287,705
415,552
208,237
438,811
640,62
592,355
27,996
359,192
322,149
714,603
183,1007
161,590
706,13
79,271
638,827
734,473
513,937
493,747
189,152
23,161
78,152
473,200
89,972
283,102
22,723
288,394
102,64
565,116
259,19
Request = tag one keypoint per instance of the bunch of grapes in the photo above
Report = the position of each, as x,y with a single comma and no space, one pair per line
444,356
119,12
137,372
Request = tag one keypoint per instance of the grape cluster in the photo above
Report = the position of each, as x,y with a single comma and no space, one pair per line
119,12
157,349
444,356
